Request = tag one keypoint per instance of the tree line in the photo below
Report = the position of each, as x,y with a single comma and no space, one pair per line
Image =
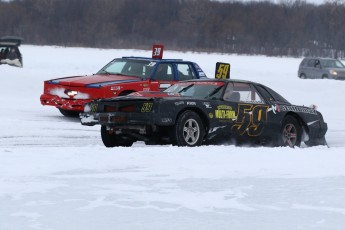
287,28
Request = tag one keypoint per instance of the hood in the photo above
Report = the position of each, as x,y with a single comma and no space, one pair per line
96,81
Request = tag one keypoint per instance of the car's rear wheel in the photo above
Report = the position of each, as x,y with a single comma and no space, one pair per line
110,139
291,132
69,113
325,76
189,129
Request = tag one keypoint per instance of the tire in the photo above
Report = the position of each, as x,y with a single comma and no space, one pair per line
69,113
302,76
189,129
110,139
291,132
325,76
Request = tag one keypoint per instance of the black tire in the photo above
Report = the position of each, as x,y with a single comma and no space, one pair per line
110,139
291,132
325,76
302,76
189,129
69,113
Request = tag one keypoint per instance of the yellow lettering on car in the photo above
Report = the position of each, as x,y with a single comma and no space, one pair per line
225,114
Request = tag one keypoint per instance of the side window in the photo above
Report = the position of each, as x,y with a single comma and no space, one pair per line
230,94
242,92
311,63
185,72
164,72
304,62
271,95
317,63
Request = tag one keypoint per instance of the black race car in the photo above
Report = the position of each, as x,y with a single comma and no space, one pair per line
196,112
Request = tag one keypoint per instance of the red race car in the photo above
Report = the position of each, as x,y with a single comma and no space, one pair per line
120,77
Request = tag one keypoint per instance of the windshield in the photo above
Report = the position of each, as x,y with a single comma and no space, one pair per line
332,64
197,89
128,67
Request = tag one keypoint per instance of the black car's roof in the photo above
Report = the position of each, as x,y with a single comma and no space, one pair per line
223,80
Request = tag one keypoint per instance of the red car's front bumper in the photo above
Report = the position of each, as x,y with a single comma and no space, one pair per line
62,103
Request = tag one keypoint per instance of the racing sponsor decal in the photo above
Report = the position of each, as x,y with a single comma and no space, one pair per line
115,88
210,115
166,120
147,107
250,119
191,103
299,109
173,94
179,103
225,112
151,64
93,108
207,105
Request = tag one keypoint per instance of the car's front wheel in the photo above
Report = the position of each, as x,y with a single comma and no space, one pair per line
291,132
110,139
189,129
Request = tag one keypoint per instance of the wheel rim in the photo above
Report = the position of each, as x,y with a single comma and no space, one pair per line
290,135
191,131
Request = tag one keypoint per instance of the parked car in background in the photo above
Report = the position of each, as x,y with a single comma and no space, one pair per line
9,51
323,68
120,77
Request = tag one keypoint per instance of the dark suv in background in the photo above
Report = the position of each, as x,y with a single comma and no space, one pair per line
321,68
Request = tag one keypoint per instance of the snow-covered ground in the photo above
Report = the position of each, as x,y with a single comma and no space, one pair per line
55,174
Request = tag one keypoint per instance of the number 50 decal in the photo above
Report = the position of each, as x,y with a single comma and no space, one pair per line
250,119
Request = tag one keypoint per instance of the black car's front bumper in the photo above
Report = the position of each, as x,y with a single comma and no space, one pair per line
123,118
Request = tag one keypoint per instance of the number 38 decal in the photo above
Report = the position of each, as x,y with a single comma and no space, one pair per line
250,119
